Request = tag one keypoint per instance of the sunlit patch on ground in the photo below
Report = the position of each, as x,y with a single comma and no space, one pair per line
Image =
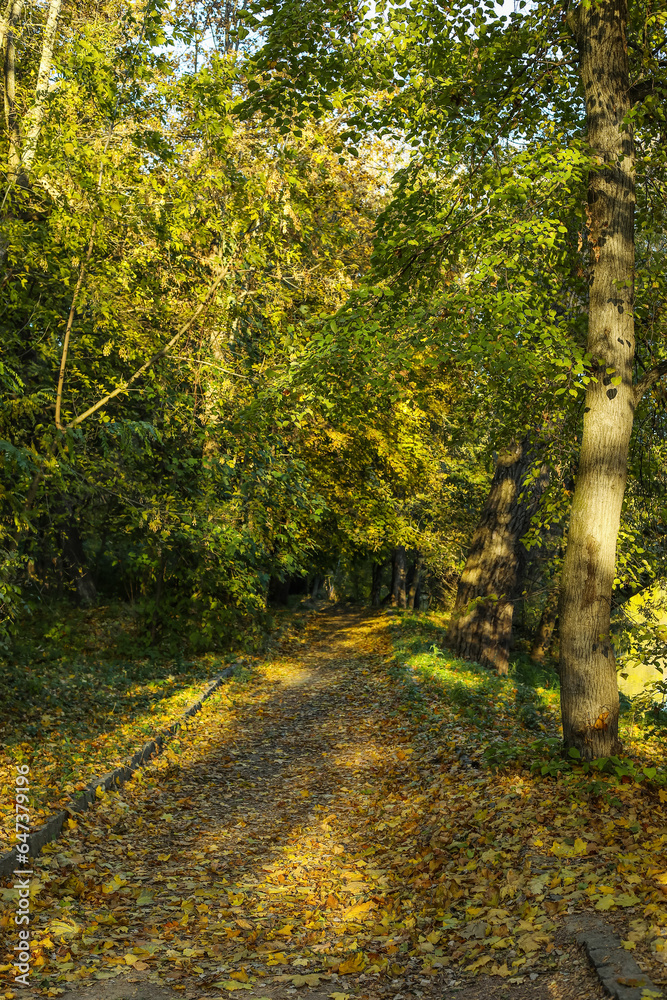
325,827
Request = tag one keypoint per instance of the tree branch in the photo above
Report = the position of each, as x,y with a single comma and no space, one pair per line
648,379
68,328
220,277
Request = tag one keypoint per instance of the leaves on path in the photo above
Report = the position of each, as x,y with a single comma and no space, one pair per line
214,868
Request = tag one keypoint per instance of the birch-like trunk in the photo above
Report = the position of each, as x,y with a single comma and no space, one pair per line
589,690
32,123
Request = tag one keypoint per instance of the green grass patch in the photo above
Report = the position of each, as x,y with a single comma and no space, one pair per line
73,709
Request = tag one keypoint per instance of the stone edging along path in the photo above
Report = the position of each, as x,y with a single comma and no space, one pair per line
617,970
52,828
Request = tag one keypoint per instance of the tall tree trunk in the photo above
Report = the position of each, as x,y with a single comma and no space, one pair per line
414,583
398,594
481,626
546,625
589,690
11,118
376,584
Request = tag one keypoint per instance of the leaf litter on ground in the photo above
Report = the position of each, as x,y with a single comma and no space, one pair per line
328,827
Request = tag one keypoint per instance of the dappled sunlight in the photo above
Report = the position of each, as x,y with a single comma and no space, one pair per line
323,826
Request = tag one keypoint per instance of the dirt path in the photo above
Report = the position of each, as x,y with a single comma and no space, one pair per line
286,849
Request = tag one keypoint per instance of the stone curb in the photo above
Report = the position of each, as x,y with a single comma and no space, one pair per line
52,828
616,968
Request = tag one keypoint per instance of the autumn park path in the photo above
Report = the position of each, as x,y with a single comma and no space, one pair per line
288,845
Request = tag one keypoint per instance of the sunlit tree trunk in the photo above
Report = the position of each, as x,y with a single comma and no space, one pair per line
32,123
11,116
491,581
589,691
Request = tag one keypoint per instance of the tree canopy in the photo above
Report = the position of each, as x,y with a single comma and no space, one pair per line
284,282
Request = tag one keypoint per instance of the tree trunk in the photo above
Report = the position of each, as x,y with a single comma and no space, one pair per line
376,584
11,119
32,123
545,628
74,558
414,583
398,594
481,626
589,690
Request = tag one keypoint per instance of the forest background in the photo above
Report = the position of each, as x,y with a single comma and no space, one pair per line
303,300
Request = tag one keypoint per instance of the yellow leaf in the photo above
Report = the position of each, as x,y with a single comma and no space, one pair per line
358,910
340,996
569,851
278,958
531,942
242,976
626,899
478,963
63,927
163,857
499,970
245,924
310,980
231,984
606,903
355,963
114,885
286,930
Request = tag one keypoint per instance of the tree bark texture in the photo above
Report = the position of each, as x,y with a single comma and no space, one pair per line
589,690
11,119
481,626
545,628
398,592
415,580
